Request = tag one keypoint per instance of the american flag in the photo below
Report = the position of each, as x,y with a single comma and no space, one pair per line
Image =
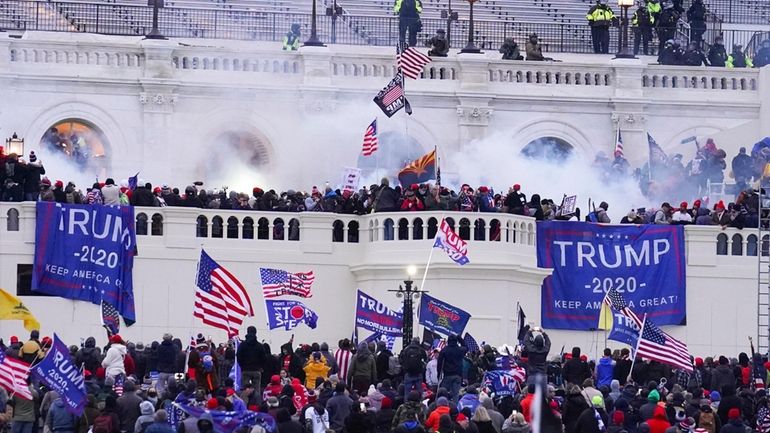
221,300
616,302
656,345
763,420
395,92
438,344
117,387
13,376
471,343
619,146
411,62
657,155
343,358
110,318
370,139
276,282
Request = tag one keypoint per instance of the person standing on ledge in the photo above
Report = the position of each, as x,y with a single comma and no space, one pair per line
600,18
408,19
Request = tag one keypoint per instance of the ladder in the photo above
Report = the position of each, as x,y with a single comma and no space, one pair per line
763,275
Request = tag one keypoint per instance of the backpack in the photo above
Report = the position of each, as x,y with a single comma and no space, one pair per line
102,424
412,363
706,421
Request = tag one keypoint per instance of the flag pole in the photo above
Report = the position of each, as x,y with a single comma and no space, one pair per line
636,349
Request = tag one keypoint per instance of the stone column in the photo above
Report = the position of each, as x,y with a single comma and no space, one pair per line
157,103
473,119
628,108
158,58
316,66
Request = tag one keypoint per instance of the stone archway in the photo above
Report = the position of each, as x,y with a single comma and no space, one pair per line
548,148
80,142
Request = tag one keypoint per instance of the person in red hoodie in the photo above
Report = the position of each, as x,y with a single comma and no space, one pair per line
526,402
659,421
442,408
300,394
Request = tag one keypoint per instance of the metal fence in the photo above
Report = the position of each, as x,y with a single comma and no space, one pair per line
741,11
220,23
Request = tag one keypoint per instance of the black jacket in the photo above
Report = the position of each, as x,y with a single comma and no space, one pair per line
537,351
387,200
142,197
251,354
166,357
450,360
586,423
717,55
576,371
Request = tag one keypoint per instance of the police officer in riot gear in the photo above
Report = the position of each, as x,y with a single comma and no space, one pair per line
510,50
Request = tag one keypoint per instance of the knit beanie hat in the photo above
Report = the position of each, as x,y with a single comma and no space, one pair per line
653,396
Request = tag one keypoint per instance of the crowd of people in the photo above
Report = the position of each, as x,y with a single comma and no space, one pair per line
367,388
25,180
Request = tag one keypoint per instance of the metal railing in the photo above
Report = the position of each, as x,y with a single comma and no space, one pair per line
741,11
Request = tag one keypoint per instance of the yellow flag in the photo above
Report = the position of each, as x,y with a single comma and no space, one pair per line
605,317
11,308
766,171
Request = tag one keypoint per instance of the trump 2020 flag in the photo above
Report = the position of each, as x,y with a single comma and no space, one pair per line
59,373
289,314
447,240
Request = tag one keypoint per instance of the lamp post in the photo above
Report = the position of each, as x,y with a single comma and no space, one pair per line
14,145
155,32
624,52
313,41
409,293
471,47
334,11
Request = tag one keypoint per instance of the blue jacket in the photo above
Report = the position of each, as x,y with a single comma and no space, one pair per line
58,419
468,400
604,371
159,427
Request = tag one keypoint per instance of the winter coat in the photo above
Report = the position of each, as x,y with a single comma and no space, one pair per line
450,360
363,365
128,409
111,195
587,423
576,371
166,357
251,354
339,409
113,360
722,376
432,422
659,421
313,370
604,371
387,200
485,427
409,427
142,197
537,349
410,410
573,408
734,426
510,427
58,419
470,401
159,427
87,357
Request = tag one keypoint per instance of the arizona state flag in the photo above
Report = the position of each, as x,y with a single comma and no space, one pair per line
418,171
11,308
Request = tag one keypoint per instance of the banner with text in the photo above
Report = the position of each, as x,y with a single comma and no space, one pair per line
441,317
86,253
373,315
59,373
645,264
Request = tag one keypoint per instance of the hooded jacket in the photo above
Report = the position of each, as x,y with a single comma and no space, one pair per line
166,357
146,418
363,365
251,354
315,369
450,359
604,371
659,421
88,356
58,419
113,360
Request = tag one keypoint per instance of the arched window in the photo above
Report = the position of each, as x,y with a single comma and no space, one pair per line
479,231
202,227
548,148
248,228
387,229
766,245
156,229
232,228
263,228
737,245
141,224
81,142
417,228
465,229
294,229
751,245
353,232
278,229
403,229
12,224
494,230
432,227
338,228
216,227
722,244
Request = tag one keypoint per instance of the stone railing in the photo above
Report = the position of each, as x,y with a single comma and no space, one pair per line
185,226
169,60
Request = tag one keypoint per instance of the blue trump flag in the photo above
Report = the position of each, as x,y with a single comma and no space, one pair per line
624,329
441,317
645,264
86,253
228,421
289,314
373,315
59,373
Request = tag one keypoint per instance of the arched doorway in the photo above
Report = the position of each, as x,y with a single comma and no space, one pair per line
240,154
79,141
395,151
548,148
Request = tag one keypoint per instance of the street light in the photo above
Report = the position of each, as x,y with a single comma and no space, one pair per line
155,32
313,41
409,293
14,145
624,52
471,46
449,15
